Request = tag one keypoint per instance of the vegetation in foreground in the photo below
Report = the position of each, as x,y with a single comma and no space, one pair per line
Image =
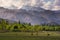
29,38
27,27
26,36
26,31
5,26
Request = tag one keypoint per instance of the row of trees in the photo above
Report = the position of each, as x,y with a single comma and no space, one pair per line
26,27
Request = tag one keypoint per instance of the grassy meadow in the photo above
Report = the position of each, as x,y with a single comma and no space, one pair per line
27,36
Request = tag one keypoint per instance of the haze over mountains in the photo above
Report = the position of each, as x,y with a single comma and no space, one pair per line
33,15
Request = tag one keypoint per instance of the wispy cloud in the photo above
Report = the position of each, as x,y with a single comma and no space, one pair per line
56,5
47,5
41,3
19,3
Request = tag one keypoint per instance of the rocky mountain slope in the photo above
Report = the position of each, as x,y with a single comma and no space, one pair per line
33,15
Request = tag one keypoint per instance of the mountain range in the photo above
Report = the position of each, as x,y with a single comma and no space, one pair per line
33,15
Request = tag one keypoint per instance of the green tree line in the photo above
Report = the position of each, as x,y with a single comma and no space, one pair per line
26,27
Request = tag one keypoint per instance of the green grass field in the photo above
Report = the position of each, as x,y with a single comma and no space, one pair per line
27,36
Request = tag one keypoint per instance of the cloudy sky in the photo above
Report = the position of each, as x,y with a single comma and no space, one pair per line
46,4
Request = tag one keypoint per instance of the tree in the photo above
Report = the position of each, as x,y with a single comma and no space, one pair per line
29,24
15,28
3,24
19,22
